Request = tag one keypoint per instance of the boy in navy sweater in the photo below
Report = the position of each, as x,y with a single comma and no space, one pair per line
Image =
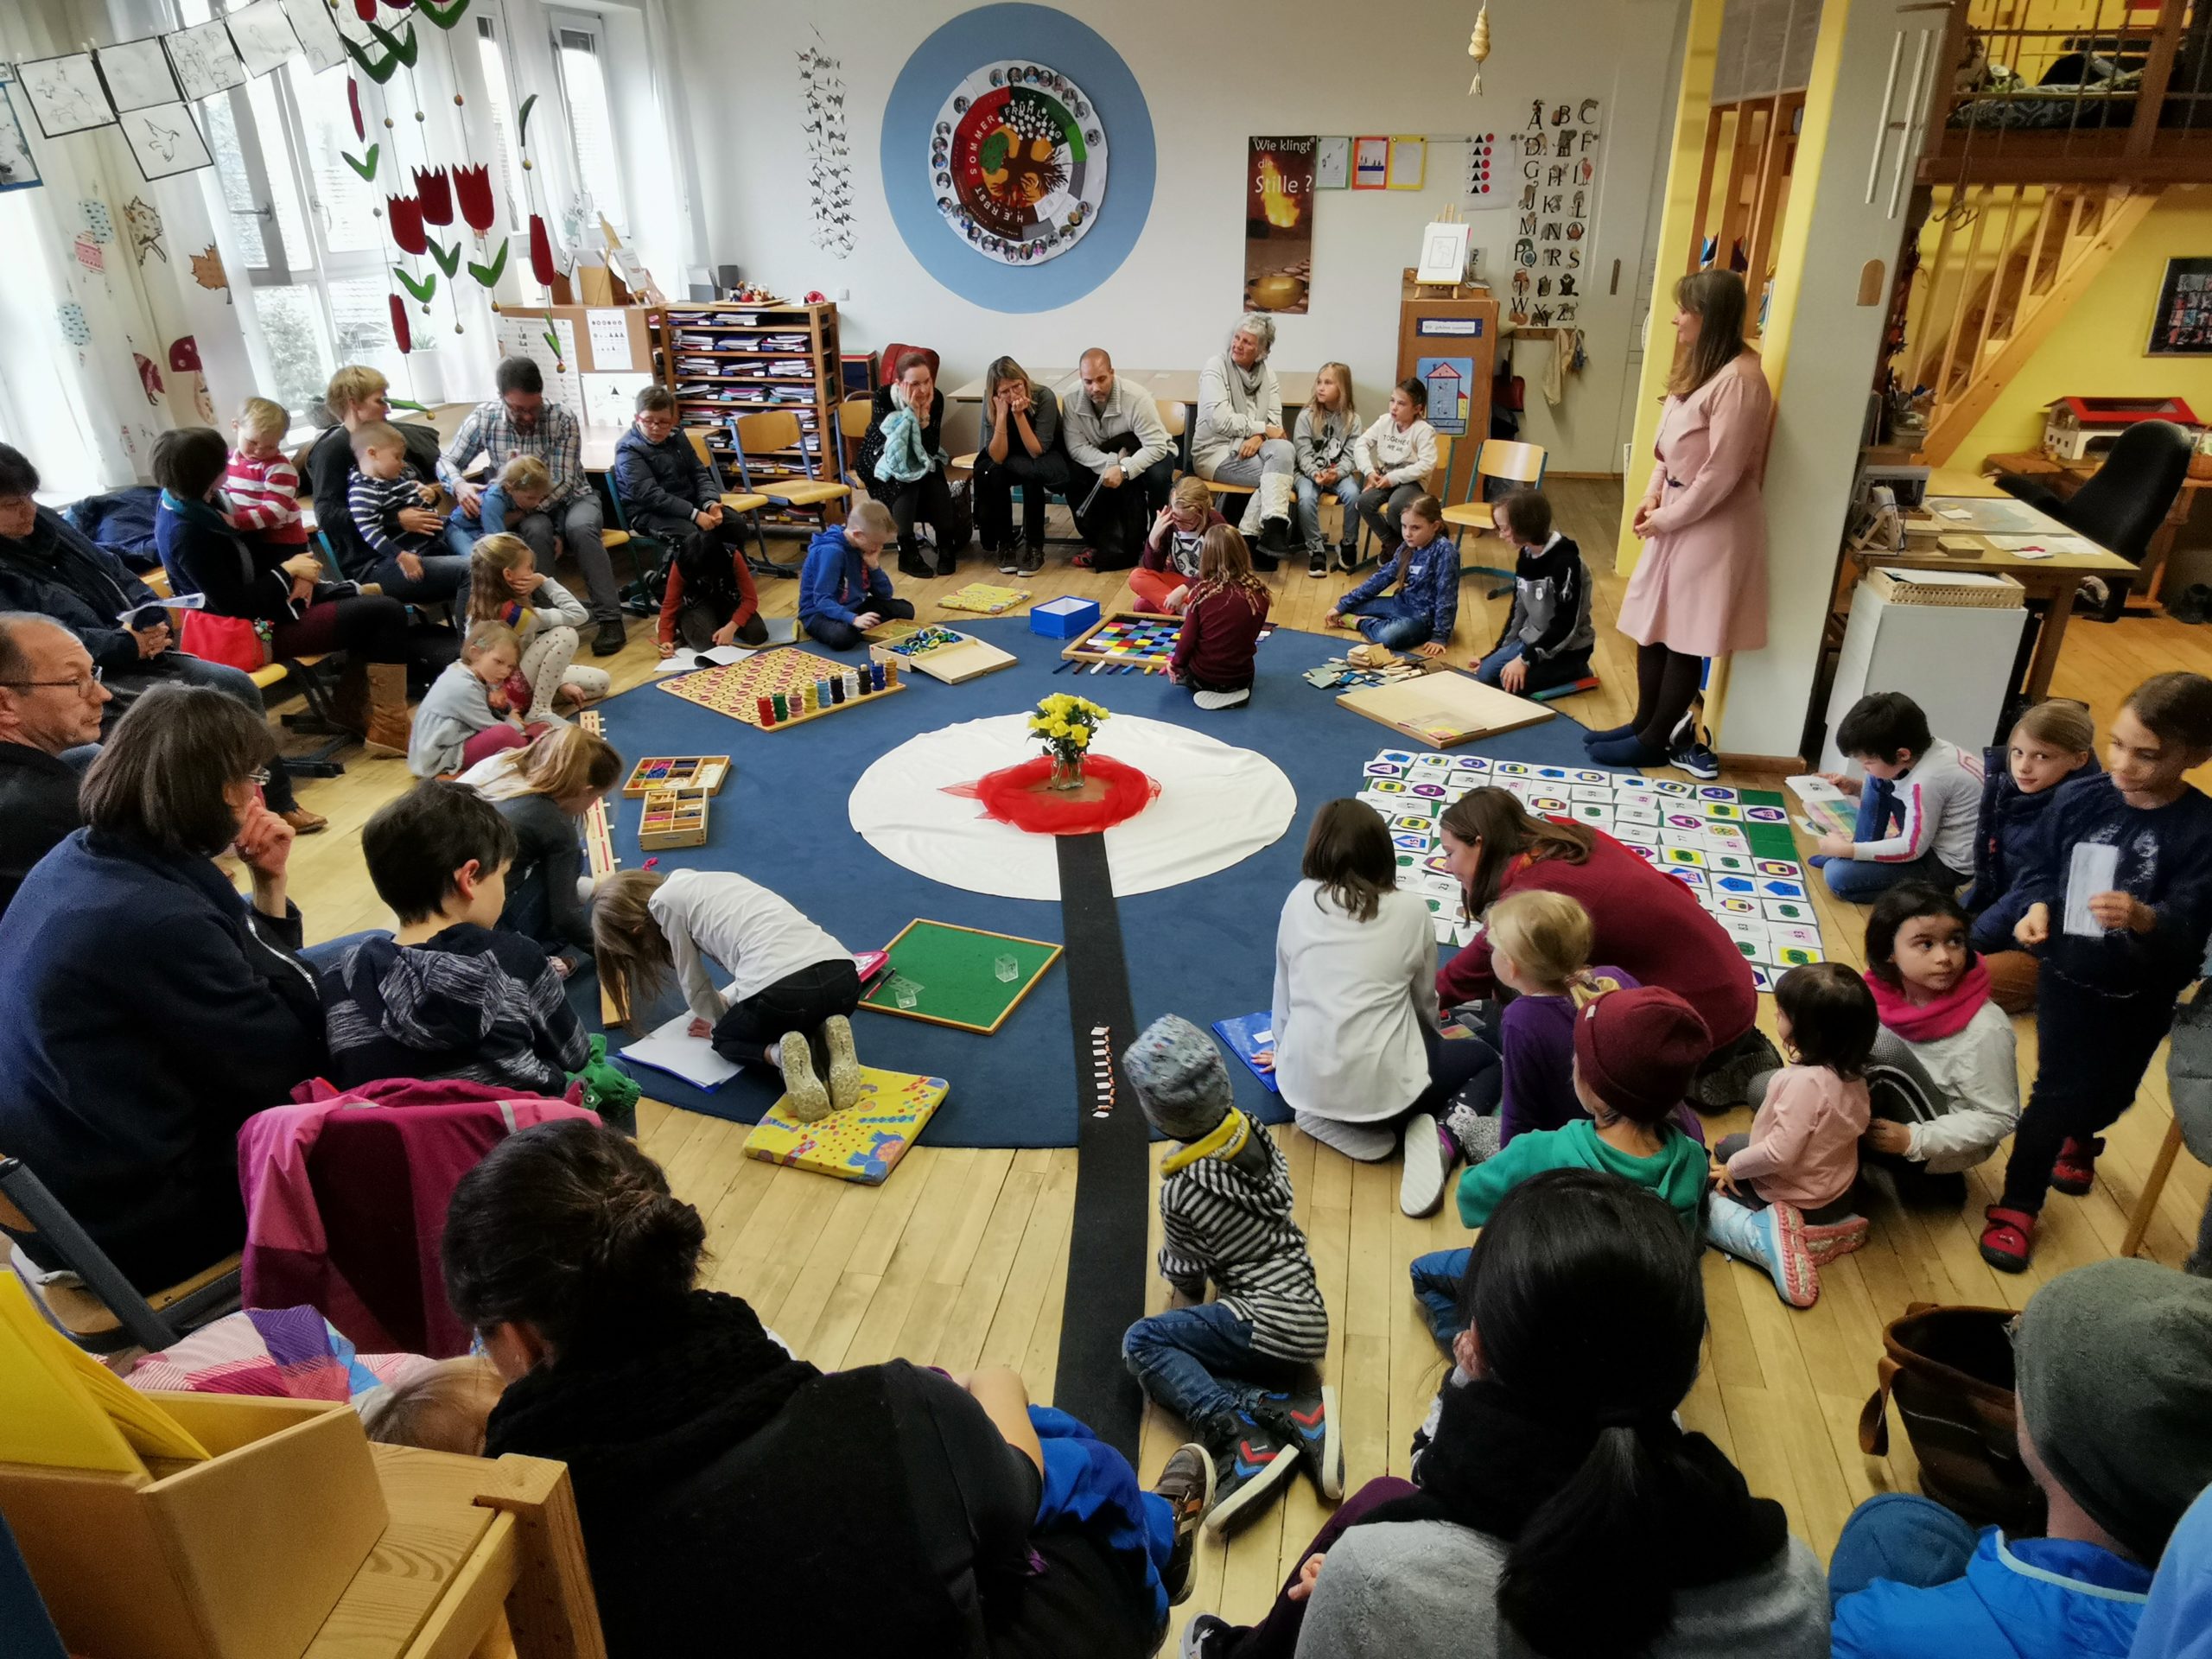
1548,637
842,589
2106,997
1419,616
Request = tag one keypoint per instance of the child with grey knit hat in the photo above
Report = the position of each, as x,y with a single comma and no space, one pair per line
1238,1369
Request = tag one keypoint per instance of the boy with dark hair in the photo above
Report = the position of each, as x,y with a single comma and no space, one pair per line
1548,637
450,994
666,489
1924,782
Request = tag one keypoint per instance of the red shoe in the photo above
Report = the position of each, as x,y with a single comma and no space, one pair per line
2008,1239
1086,560
2075,1171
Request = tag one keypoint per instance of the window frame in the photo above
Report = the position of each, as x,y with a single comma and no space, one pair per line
592,24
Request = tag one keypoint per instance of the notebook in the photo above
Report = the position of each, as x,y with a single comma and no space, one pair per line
1249,1034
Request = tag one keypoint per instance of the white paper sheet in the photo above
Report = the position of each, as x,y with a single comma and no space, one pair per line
137,74
609,330
319,37
671,1047
165,141
263,36
204,61
2093,869
65,94
687,661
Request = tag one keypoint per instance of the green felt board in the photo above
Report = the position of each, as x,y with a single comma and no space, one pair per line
954,968
1770,841
1760,797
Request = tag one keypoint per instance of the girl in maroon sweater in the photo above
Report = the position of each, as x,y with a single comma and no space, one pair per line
1641,919
1222,620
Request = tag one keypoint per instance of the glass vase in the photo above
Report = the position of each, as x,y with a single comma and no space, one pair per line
1067,772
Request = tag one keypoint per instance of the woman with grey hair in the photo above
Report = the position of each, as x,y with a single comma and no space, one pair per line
1240,437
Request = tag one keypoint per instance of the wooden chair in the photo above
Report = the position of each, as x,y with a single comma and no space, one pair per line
106,1312
772,437
854,415
1506,458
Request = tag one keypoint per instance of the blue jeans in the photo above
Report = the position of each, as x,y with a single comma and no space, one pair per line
1345,489
462,539
1862,880
1436,1287
326,955
445,575
1903,1537
1199,1361
1393,622
1565,668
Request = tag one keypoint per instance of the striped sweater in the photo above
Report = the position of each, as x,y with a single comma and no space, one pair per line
265,497
1229,1221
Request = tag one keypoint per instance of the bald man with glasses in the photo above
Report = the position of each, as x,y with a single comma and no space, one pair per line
50,702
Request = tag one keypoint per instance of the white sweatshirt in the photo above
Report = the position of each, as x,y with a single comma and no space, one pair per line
1976,1068
1350,1002
756,935
1939,799
1402,457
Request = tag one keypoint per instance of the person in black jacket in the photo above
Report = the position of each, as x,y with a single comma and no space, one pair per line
665,488
898,1509
356,395
50,702
927,494
151,1009
48,566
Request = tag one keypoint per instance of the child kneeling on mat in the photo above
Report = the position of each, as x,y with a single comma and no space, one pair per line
843,590
793,985
1237,1369
1547,637
467,716
1221,619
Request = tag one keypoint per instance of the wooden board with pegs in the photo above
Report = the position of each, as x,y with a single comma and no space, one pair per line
671,818
599,855
701,773
738,690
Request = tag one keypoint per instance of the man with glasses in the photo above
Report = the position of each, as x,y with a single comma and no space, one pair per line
50,702
519,422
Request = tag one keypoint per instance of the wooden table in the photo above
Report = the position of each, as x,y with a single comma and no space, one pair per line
1166,385
2052,580
2067,476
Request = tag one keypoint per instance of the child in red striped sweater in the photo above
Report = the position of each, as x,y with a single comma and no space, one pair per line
262,485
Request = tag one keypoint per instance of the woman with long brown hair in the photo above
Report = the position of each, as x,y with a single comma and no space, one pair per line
1700,590
1019,444
1641,920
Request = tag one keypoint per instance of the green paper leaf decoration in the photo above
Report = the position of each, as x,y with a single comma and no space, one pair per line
443,17
402,403
379,72
488,275
449,258
405,46
521,121
364,165
422,289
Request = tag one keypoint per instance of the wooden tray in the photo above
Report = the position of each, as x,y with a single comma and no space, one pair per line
1445,709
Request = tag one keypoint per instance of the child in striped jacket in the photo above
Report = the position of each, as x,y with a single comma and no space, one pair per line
263,486
1238,1369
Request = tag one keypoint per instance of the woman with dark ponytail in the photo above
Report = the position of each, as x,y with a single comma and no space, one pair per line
1557,1507
735,1499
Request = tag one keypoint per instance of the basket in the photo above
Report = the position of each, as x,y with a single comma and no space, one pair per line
1932,588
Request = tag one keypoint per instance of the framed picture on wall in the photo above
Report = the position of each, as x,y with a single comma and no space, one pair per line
2180,326
1370,163
1333,164
1408,162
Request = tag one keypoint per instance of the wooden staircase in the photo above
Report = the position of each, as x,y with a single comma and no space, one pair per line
2010,261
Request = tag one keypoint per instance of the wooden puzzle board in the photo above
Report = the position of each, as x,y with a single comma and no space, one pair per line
1144,639
1445,709
736,689
703,773
985,599
598,854
955,969
944,654
1732,848
861,1143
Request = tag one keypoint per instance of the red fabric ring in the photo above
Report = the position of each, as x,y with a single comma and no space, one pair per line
1113,792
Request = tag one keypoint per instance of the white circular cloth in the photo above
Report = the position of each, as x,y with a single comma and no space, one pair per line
1216,805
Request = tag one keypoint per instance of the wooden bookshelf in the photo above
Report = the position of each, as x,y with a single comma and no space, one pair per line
720,359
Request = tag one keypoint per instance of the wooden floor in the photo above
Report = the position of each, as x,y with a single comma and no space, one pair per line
962,1258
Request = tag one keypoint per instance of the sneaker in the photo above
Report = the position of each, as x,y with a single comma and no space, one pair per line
610,639
1684,735
1085,558
1831,1240
2009,1239
1317,562
805,1100
1250,1462
1203,1637
2075,1171
1428,1157
1032,561
1348,556
843,1072
1307,1419
1186,1485
1009,560
911,564
1696,760
1222,699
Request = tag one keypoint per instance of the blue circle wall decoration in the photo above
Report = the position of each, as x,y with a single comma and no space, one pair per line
1005,242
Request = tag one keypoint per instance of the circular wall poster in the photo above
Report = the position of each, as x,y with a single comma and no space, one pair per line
1018,163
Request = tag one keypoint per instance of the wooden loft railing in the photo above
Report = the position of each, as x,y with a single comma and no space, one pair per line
2073,91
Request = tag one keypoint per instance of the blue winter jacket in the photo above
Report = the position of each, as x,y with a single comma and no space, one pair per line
1432,587
2004,838
2178,1623
836,582
2021,1598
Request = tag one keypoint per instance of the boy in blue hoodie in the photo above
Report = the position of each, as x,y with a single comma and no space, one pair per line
843,591
2113,1369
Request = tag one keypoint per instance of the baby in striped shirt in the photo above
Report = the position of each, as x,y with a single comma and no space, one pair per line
1238,1370
262,484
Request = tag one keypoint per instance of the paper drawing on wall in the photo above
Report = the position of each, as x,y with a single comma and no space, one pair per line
1333,164
1370,163
2180,326
204,61
137,74
263,35
1450,381
65,94
1279,224
146,234
320,41
18,171
1017,162
828,151
165,141
1483,185
1557,198
207,272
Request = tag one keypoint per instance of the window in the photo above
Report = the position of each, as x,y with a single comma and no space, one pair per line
576,49
492,60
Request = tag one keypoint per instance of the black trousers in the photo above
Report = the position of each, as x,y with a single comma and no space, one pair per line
799,1003
1116,521
928,497
696,625
843,636
995,482
2092,1053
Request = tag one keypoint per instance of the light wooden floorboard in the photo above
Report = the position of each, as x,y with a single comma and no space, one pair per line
963,1258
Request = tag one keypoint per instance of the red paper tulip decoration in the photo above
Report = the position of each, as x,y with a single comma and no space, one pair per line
354,105
433,189
400,332
471,188
541,252
405,215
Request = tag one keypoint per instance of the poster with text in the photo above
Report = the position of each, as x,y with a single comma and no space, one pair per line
1279,224
1555,162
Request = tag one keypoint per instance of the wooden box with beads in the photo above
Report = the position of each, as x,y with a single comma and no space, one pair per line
673,817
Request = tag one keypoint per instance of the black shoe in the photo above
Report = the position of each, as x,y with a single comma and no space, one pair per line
1261,560
1727,1079
610,638
1316,563
1251,1462
1009,560
909,565
1032,561
1348,557
1307,1419
1187,1485
1697,761
1202,1637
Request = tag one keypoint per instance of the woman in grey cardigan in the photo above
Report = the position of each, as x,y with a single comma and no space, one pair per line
1557,1507
1240,437
1020,445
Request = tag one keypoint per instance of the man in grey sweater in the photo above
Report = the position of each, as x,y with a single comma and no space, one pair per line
1113,431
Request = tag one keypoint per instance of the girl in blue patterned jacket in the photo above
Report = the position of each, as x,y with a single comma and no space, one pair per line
1419,616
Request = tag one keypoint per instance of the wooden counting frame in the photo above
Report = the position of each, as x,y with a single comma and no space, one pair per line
696,773
598,854
673,817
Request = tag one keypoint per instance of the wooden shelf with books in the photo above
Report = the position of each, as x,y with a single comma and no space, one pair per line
726,358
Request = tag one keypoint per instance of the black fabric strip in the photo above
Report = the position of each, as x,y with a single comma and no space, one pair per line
1106,1259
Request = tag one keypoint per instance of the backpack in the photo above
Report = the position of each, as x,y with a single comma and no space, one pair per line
1950,1370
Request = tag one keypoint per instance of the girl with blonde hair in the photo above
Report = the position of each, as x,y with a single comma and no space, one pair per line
1162,580
1222,620
543,790
505,586
1327,430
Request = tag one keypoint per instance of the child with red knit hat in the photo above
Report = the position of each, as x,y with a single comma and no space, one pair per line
1636,1050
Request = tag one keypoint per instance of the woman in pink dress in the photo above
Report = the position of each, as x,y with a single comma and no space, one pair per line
1700,590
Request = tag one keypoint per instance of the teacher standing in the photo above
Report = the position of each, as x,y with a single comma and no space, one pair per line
1700,590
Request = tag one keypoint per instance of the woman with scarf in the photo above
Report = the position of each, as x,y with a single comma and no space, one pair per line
903,461
302,613
1557,1507
736,1499
1240,438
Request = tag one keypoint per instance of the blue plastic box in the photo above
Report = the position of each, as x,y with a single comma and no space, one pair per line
1062,618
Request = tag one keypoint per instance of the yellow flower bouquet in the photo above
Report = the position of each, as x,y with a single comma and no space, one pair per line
1064,725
